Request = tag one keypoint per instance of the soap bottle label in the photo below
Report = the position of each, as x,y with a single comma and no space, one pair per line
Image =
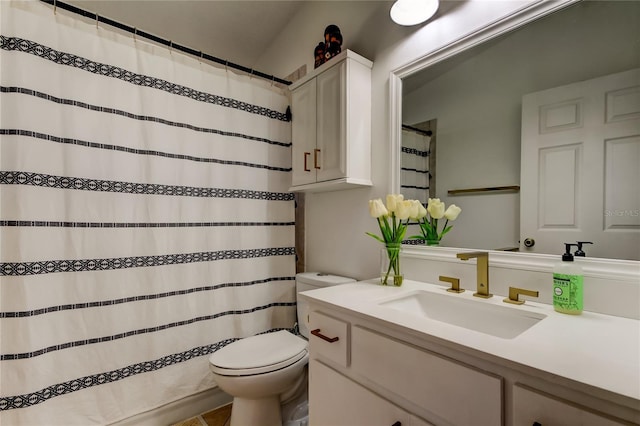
567,293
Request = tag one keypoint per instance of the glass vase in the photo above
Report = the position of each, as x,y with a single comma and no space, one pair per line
390,273
433,242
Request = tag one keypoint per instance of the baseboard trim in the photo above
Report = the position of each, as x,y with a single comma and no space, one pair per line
179,410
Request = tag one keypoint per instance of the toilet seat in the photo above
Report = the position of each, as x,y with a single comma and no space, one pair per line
259,354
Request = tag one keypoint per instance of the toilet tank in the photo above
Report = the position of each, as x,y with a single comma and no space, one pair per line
310,281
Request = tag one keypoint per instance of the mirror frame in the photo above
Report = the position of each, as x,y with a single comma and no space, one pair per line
490,31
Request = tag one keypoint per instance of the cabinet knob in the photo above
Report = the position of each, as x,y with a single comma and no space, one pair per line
536,424
317,333
306,167
397,424
315,158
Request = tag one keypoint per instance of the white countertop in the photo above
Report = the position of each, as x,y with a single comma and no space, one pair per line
594,349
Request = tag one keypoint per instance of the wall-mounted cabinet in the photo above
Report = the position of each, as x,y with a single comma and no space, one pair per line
331,126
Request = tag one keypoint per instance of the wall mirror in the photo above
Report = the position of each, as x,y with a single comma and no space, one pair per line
518,96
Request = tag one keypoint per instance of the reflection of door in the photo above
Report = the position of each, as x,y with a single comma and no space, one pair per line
580,167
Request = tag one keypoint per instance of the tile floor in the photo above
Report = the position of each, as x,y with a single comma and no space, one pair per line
218,417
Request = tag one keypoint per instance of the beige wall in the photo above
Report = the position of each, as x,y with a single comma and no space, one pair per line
336,222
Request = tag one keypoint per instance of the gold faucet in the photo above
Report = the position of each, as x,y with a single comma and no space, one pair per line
482,271
455,284
514,292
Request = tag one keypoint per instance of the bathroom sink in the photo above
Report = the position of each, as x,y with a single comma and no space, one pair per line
488,318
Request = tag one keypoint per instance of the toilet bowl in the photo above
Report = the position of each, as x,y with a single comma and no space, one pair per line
260,371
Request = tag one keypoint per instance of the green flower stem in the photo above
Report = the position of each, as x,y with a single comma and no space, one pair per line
393,253
393,232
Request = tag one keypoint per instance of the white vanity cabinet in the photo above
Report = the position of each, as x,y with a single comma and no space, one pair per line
361,377
331,125
366,371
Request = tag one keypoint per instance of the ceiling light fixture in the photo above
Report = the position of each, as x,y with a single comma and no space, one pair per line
413,12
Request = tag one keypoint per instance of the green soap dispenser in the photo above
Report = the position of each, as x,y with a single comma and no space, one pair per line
567,284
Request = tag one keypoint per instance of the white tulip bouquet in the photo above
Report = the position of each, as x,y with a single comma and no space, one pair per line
390,220
429,222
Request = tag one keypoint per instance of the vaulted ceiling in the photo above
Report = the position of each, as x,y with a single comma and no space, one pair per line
237,31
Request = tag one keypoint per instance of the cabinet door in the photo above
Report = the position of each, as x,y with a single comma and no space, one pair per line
303,133
530,407
331,131
335,400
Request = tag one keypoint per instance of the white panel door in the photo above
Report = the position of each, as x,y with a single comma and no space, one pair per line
580,167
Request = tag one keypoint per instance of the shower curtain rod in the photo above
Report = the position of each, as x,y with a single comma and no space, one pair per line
415,129
169,43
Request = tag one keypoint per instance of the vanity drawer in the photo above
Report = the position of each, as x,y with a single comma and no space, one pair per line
339,401
530,406
329,338
447,389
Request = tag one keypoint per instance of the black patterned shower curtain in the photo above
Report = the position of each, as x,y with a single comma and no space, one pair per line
414,171
144,216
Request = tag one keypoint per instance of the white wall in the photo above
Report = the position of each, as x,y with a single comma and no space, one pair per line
336,222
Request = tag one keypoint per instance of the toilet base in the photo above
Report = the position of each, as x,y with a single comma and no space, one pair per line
258,412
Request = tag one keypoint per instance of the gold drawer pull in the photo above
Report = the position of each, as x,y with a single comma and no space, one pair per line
317,333
315,158
306,167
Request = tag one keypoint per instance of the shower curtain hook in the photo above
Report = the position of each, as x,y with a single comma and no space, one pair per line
273,79
226,63
135,32
201,57
97,20
55,6
170,46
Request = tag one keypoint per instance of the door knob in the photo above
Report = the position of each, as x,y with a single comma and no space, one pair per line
529,242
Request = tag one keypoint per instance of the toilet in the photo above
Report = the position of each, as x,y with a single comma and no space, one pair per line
262,371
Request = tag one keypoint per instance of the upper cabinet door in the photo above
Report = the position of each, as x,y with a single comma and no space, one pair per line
303,101
331,125
330,143
581,166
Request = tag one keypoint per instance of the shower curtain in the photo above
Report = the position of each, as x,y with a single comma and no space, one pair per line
414,173
144,216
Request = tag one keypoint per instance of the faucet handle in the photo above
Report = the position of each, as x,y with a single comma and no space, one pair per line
514,292
455,284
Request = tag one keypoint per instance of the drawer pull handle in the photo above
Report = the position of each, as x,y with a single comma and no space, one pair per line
397,424
317,333
315,158
536,424
306,167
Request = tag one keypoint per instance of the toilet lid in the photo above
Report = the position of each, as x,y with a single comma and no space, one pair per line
258,354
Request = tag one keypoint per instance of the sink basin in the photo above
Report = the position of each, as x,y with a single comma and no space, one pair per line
488,318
